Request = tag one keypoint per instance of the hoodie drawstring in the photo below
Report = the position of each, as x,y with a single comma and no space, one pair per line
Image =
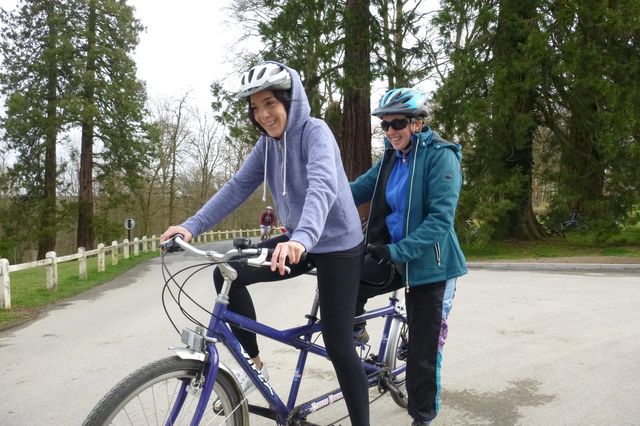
284,171
284,179
264,178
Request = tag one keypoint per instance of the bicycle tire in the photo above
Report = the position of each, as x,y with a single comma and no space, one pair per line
395,356
148,394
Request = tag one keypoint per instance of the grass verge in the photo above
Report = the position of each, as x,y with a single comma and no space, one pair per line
626,244
29,292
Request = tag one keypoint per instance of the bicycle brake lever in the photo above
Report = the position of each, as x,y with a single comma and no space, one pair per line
261,260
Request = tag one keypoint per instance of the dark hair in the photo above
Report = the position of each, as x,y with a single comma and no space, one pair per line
284,96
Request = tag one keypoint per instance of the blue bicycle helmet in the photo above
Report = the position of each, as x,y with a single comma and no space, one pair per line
409,102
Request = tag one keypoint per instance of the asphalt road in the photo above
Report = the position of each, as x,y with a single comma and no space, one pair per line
524,347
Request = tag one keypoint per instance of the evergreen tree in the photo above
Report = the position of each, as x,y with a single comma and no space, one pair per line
488,100
592,102
110,105
36,52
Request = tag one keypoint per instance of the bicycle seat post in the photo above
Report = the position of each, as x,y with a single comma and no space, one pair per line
229,274
313,313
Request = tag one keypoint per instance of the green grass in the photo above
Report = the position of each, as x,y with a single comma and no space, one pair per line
29,291
578,243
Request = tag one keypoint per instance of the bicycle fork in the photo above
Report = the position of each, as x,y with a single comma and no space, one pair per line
196,346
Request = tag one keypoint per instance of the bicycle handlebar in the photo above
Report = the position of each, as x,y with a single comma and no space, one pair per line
256,257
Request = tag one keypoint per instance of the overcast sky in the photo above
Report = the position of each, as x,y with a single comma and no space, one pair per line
186,45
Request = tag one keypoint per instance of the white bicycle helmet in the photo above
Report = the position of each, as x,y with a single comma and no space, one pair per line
264,76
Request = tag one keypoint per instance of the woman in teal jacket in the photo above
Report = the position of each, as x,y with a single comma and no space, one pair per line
414,192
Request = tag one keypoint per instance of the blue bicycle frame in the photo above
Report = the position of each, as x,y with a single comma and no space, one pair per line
297,337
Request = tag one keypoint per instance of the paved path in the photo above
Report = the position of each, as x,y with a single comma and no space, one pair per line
524,347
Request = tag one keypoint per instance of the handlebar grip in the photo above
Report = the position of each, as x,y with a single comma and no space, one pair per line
171,246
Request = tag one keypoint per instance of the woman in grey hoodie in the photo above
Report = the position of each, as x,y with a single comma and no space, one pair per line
297,157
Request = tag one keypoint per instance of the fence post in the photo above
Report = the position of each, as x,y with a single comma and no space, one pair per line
82,263
153,243
136,246
145,240
5,292
125,248
114,253
52,272
101,257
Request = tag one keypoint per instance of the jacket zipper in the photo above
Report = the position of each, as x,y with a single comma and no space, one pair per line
366,237
406,226
436,248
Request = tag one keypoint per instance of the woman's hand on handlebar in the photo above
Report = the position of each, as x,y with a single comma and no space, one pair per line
175,230
291,249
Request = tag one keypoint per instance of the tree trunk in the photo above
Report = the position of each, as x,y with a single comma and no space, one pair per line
355,143
85,236
47,240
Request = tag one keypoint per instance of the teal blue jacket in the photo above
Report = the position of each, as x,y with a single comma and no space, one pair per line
429,251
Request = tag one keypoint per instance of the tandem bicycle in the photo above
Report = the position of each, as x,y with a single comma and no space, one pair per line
195,387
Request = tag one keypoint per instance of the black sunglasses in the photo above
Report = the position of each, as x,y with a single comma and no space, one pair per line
397,124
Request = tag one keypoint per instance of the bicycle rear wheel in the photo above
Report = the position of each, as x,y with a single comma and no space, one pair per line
148,396
396,357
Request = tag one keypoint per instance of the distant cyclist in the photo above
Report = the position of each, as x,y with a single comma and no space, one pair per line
267,221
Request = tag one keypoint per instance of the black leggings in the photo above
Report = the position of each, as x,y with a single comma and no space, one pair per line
338,278
424,313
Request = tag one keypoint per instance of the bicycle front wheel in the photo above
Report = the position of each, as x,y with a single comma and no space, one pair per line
150,394
395,357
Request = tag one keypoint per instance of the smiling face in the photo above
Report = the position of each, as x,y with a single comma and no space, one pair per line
400,139
269,113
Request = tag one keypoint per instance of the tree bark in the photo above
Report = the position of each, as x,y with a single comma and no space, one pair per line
355,143
85,235
47,240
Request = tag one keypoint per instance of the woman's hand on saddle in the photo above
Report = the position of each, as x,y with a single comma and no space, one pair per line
291,249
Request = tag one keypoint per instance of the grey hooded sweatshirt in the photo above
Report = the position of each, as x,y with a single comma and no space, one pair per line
304,172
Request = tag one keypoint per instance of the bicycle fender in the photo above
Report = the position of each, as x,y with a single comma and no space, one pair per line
188,353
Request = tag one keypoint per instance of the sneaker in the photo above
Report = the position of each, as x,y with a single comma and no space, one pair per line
245,381
420,423
360,334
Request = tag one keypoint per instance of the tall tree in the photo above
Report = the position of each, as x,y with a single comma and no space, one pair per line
36,51
356,85
592,102
111,104
408,49
518,50
488,100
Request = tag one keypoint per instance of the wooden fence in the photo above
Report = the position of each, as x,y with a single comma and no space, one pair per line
125,248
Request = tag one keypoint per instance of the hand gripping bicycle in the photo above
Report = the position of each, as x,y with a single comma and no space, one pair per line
195,387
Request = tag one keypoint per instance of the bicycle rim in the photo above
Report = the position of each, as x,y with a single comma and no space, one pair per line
396,357
149,395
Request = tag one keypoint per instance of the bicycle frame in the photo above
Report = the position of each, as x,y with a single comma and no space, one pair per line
296,337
